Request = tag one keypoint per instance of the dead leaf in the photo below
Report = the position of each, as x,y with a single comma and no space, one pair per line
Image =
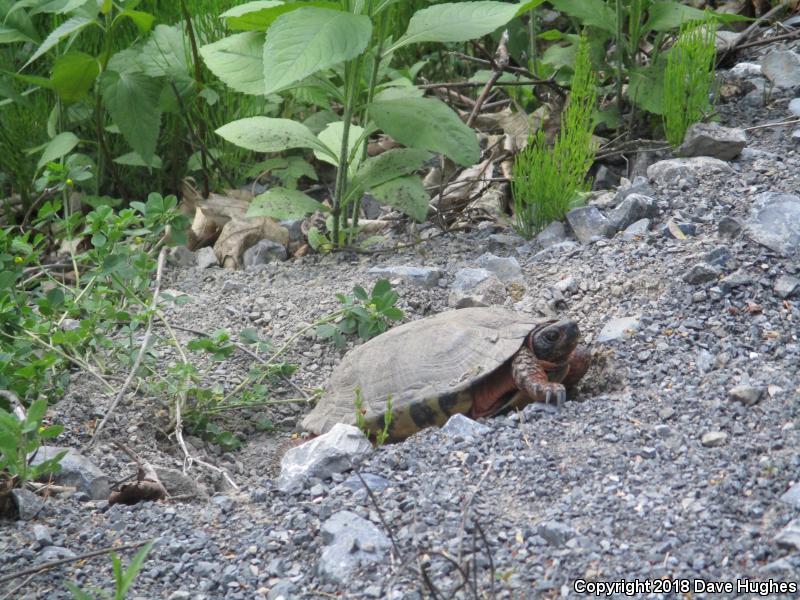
239,234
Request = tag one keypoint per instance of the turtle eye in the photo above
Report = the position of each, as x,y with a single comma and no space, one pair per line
551,336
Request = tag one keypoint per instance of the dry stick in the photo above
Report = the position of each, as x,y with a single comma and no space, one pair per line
769,40
778,124
142,349
476,84
747,33
24,584
500,62
64,561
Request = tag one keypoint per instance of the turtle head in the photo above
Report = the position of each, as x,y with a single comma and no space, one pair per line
554,341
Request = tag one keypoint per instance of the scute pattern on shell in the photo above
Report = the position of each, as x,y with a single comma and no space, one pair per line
419,361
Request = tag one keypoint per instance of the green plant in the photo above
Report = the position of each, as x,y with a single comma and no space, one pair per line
366,315
546,181
361,422
688,79
339,54
20,439
122,579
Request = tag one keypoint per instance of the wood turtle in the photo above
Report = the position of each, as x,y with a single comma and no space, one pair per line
474,361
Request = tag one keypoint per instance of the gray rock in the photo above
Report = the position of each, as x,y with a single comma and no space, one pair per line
178,483
782,68
789,536
426,277
792,496
721,256
744,70
42,536
180,595
794,107
295,229
464,427
714,439
604,179
639,185
206,257
636,230
264,252
555,533
687,229
617,329
282,590
796,135
634,207
748,395
588,224
712,139
734,280
666,172
332,452
28,504
499,242
476,287
51,553
505,268
701,273
775,222
375,482
787,286
729,226
181,256
350,542
76,471
555,233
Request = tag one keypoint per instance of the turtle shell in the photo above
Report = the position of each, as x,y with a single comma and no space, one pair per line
427,367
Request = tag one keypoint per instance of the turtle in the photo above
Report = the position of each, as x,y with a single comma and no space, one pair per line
475,361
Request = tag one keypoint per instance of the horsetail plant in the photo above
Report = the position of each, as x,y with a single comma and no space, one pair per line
546,181
688,79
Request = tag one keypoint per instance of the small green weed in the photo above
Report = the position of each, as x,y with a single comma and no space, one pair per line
547,181
363,314
688,79
122,579
19,439
361,421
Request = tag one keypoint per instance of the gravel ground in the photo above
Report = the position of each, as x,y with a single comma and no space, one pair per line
656,471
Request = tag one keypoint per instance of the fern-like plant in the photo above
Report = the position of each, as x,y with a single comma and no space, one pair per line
546,181
688,78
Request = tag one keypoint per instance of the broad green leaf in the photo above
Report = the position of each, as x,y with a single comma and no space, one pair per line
73,75
429,124
667,15
132,159
259,15
142,20
265,134
389,165
595,13
397,92
58,7
524,7
59,146
9,35
68,27
455,22
309,39
646,87
331,137
132,101
165,54
238,61
283,203
407,194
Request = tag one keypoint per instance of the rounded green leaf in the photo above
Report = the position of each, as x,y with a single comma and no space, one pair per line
73,75
282,203
456,22
429,124
388,165
237,61
406,194
265,134
309,39
59,146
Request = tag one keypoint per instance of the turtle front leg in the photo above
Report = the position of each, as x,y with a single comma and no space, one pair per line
578,362
530,377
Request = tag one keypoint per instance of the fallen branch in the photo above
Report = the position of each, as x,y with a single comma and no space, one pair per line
499,64
778,124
